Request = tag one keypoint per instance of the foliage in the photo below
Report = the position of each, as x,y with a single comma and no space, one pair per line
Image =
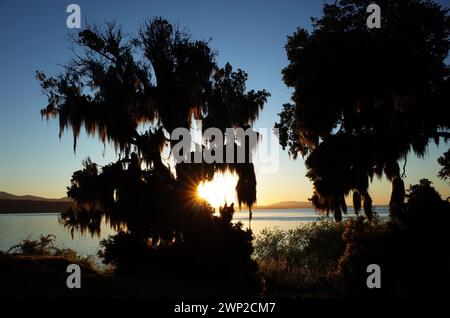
161,80
412,250
332,258
364,98
301,258
365,243
44,246
112,91
444,161
212,246
423,196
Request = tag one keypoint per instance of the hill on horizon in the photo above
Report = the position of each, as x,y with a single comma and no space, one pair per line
9,196
285,205
5,196
10,203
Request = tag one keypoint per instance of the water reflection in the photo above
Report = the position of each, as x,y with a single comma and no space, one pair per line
16,227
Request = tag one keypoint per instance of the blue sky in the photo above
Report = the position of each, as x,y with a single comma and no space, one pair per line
249,34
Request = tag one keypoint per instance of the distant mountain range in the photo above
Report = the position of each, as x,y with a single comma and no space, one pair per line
9,196
285,205
10,203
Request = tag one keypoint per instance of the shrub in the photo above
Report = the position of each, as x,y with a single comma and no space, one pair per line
45,246
210,247
365,243
300,258
412,250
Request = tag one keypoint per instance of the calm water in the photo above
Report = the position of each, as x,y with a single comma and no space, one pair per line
286,219
15,227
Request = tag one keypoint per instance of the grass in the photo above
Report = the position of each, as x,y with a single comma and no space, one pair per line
37,268
44,248
293,263
300,260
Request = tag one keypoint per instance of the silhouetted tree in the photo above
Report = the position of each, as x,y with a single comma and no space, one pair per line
160,80
411,245
444,161
365,98
422,197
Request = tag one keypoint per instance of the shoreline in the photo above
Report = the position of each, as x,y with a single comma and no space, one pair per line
31,206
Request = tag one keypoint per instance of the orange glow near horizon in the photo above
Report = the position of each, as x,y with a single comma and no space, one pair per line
218,191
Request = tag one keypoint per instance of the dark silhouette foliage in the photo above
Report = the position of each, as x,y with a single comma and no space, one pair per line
365,98
412,251
300,259
160,80
44,249
211,246
444,161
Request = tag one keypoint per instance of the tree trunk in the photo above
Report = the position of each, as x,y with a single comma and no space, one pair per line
397,197
343,205
337,210
356,202
368,206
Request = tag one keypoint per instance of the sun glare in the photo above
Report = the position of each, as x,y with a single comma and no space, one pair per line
218,191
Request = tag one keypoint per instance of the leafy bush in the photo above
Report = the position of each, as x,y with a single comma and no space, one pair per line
365,243
412,249
125,252
45,246
210,247
300,258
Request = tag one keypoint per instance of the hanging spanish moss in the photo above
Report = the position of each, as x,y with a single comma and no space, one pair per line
351,124
108,91
367,204
356,202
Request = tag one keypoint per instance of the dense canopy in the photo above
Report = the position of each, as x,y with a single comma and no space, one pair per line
133,92
365,98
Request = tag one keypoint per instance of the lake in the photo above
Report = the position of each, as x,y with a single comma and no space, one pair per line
16,227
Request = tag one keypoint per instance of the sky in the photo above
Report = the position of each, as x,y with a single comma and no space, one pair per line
249,34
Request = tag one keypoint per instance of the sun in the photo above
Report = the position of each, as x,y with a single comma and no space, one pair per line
218,191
